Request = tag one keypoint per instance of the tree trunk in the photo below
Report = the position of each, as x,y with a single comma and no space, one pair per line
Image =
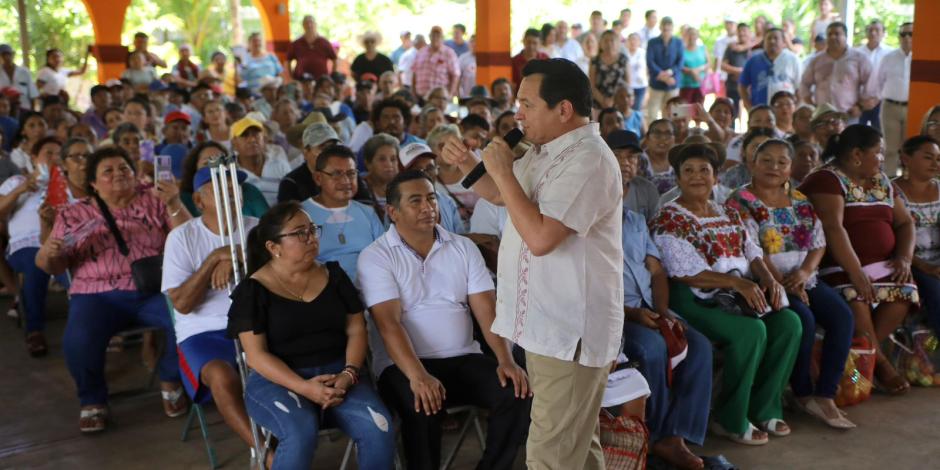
238,35
24,32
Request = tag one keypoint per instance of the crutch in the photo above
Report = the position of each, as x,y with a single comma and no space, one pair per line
223,172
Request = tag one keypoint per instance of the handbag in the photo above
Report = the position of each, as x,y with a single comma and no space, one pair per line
146,272
625,441
731,302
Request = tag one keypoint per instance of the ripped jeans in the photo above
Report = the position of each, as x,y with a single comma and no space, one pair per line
296,421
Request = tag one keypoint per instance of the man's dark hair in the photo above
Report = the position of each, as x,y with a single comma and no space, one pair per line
626,10
774,30
532,32
50,100
392,103
201,86
649,13
393,190
98,89
562,80
142,101
605,112
596,13
124,128
49,139
333,151
781,95
666,20
616,23
743,25
141,35
499,81
904,24
462,28
474,121
838,24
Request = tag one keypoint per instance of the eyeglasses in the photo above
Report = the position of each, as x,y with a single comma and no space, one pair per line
341,175
79,157
304,234
428,170
906,34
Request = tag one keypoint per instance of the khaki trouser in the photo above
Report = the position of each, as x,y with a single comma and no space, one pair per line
894,126
565,432
657,102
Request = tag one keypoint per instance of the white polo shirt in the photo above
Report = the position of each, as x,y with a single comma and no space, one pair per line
548,304
433,293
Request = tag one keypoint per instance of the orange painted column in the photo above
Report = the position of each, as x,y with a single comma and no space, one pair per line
107,19
492,41
925,67
275,16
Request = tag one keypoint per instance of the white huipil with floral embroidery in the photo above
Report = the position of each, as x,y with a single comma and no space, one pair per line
691,244
926,217
573,295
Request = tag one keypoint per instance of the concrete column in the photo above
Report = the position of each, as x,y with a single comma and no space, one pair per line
492,41
925,67
107,19
275,16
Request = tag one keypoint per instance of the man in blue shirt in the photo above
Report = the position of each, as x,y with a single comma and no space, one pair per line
347,226
458,44
664,56
676,410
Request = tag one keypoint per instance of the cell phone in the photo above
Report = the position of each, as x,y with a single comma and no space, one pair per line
683,111
146,150
163,168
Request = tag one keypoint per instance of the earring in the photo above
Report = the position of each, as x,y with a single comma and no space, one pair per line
277,255
858,163
905,174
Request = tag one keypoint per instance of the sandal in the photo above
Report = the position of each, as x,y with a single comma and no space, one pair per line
813,409
92,419
747,438
174,402
36,344
772,427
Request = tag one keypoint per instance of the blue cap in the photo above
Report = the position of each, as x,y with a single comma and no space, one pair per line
158,85
204,176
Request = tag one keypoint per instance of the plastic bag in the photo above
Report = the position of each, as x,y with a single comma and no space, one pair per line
625,441
912,353
856,384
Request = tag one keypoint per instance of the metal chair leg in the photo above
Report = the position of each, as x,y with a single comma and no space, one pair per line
189,422
452,455
347,455
204,427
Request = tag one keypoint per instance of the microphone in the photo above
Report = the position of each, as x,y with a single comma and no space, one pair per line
512,138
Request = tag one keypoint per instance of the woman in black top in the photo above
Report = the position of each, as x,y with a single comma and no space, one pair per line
302,328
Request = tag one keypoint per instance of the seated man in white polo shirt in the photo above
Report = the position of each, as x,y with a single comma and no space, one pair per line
196,271
421,284
348,226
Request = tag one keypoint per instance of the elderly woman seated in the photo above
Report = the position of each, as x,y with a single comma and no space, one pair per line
785,225
711,260
920,191
97,240
870,236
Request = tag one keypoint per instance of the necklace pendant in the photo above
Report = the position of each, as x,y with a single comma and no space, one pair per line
342,238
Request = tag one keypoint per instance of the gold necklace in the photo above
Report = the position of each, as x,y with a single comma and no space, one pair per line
284,286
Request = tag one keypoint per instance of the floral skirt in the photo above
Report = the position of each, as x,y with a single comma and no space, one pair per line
885,290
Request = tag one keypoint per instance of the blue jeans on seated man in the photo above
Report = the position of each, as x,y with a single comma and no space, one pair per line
681,409
296,421
829,310
35,286
94,319
929,288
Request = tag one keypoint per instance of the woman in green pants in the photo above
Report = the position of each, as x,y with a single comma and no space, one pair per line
708,255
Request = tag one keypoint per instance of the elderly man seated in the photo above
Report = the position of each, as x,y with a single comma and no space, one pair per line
422,284
639,194
264,170
197,270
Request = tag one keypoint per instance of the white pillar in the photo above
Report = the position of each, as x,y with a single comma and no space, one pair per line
847,10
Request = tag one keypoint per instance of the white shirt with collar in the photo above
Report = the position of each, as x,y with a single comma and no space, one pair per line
570,50
433,293
572,296
892,78
22,80
875,55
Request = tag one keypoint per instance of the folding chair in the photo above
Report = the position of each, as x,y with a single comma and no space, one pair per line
472,419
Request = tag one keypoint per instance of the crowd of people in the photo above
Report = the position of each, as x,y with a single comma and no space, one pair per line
371,285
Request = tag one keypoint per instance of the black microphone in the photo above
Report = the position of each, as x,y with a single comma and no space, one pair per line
512,138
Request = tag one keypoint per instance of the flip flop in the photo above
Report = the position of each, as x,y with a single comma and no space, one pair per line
747,438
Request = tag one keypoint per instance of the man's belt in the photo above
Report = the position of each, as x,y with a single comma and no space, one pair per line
899,103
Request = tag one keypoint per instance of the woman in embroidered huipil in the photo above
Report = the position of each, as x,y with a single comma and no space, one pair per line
870,240
706,251
920,191
784,223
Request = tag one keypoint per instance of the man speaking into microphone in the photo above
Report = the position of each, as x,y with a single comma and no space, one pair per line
560,268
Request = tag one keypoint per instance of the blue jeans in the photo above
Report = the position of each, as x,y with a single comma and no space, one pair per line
296,421
682,409
94,319
35,287
638,95
929,289
828,309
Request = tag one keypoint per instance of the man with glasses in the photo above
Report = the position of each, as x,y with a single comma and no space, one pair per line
424,286
264,171
348,226
197,269
891,83
827,121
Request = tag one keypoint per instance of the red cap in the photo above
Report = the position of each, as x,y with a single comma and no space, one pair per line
10,92
177,116
368,76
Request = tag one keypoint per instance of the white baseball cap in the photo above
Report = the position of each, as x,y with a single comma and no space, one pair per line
411,152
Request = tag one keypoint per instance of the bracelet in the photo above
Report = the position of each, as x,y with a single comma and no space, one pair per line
352,368
354,377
